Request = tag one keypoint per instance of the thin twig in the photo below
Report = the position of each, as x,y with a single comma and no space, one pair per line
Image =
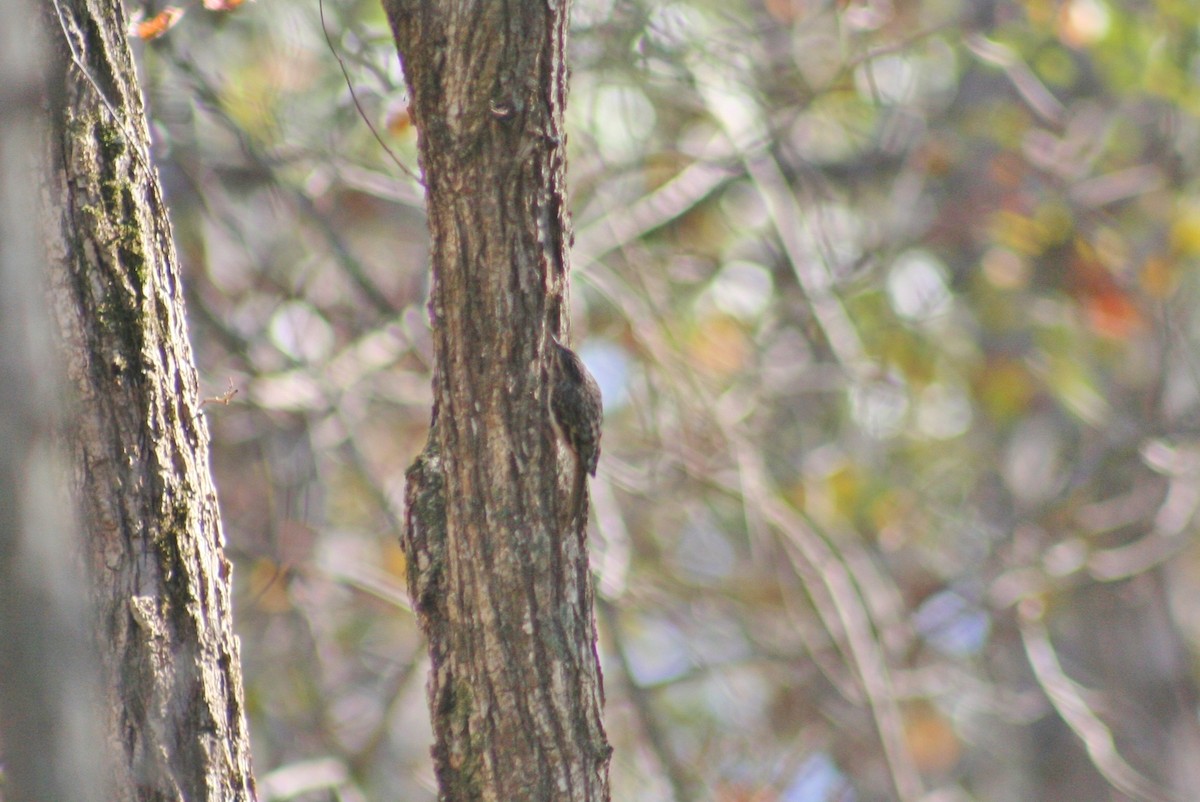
224,398
354,96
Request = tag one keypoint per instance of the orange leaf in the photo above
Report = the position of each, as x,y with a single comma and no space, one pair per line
781,10
399,121
1113,314
157,25
931,740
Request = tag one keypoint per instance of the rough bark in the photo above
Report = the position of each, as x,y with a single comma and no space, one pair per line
159,581
498,565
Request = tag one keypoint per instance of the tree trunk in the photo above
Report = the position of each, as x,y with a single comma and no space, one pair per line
160,583
498,566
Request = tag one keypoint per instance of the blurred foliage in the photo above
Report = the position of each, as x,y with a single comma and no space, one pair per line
892,306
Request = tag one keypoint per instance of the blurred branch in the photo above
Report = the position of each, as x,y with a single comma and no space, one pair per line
617,227
681,780
808,551
295,779
813,275
826,578
392,694
947,680
368,579
50,694
839,602
302,201
376,183
1067,696
1035,94
822,595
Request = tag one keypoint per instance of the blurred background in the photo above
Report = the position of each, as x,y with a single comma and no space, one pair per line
893,303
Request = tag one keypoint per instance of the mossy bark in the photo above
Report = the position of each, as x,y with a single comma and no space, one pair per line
176,727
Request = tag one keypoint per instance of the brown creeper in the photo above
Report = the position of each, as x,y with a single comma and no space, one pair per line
575,402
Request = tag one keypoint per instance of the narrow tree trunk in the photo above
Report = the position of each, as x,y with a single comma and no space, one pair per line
160,583
498,564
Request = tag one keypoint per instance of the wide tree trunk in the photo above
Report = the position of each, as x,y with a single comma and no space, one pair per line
160,584
498,560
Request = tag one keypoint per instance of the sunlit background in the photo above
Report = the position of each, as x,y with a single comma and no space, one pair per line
892,304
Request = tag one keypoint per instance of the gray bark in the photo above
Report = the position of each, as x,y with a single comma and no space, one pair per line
159,581
498,564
